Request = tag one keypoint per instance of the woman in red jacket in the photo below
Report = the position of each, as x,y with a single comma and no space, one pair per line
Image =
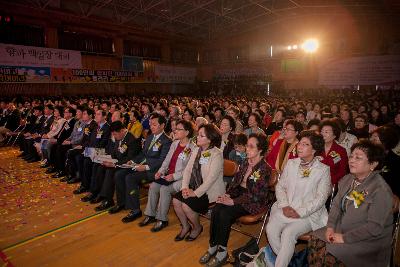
285,148
334,155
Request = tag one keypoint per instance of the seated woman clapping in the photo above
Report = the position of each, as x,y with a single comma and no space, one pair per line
360,224
168,179
202,182
247,194
301,194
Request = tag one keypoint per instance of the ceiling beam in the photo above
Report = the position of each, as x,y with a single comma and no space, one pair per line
98,6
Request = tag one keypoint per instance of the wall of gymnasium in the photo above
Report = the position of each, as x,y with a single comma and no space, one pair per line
341,36
53,21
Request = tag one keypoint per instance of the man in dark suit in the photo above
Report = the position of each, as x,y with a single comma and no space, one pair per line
124,148
12,120
32,155
32,127
98,139
155,149
65,132
74,155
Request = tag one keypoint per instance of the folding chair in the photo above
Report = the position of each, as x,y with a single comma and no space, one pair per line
19,133
230,167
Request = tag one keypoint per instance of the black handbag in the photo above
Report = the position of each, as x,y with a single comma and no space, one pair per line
299,259
251,247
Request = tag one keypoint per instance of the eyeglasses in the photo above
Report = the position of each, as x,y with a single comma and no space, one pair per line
251,146
179,129
288,129
357,158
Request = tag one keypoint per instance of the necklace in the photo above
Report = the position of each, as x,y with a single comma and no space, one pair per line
305,168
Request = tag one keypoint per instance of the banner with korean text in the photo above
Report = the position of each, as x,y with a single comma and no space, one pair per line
19,55
370,70
172,74
24,74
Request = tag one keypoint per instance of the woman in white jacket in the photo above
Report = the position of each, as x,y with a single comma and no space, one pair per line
301,194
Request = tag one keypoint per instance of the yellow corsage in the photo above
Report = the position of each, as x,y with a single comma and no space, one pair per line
385,169
306,173
157,144
87,131
255,176
206,154
187,151
357,197
334,154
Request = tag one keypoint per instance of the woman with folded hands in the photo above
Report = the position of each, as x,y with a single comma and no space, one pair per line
360,224
168,179
202,182
247,194
301,193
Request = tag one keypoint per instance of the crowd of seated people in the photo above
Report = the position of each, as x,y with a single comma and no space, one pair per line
112,146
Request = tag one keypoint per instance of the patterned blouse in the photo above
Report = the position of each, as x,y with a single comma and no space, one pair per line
256,196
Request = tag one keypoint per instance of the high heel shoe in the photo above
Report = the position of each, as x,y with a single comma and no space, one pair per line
189,238
178,237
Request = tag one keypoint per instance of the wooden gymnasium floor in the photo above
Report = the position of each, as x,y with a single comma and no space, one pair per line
43,224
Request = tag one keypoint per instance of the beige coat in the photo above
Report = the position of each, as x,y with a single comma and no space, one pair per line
212,173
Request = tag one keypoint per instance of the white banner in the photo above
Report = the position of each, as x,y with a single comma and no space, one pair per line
371,70
19,55
171,74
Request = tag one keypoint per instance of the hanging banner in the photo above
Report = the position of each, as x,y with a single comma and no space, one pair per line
91,76
18,74
172,74
19,55
372,70
234,73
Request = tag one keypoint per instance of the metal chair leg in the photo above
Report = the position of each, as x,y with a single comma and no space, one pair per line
262,228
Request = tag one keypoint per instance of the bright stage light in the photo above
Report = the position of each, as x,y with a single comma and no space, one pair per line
310,45
289,47
294,47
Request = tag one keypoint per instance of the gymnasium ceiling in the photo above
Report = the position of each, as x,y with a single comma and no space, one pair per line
210,19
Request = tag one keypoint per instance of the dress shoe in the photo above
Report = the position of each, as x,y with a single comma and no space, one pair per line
65,179
44,166
189,238
58,175
73,180
33,160
115,209
80,190
96,200
27,157
133,215
158,226
104,205
214,262
88,197
206,257
50,171
180,237
147,220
